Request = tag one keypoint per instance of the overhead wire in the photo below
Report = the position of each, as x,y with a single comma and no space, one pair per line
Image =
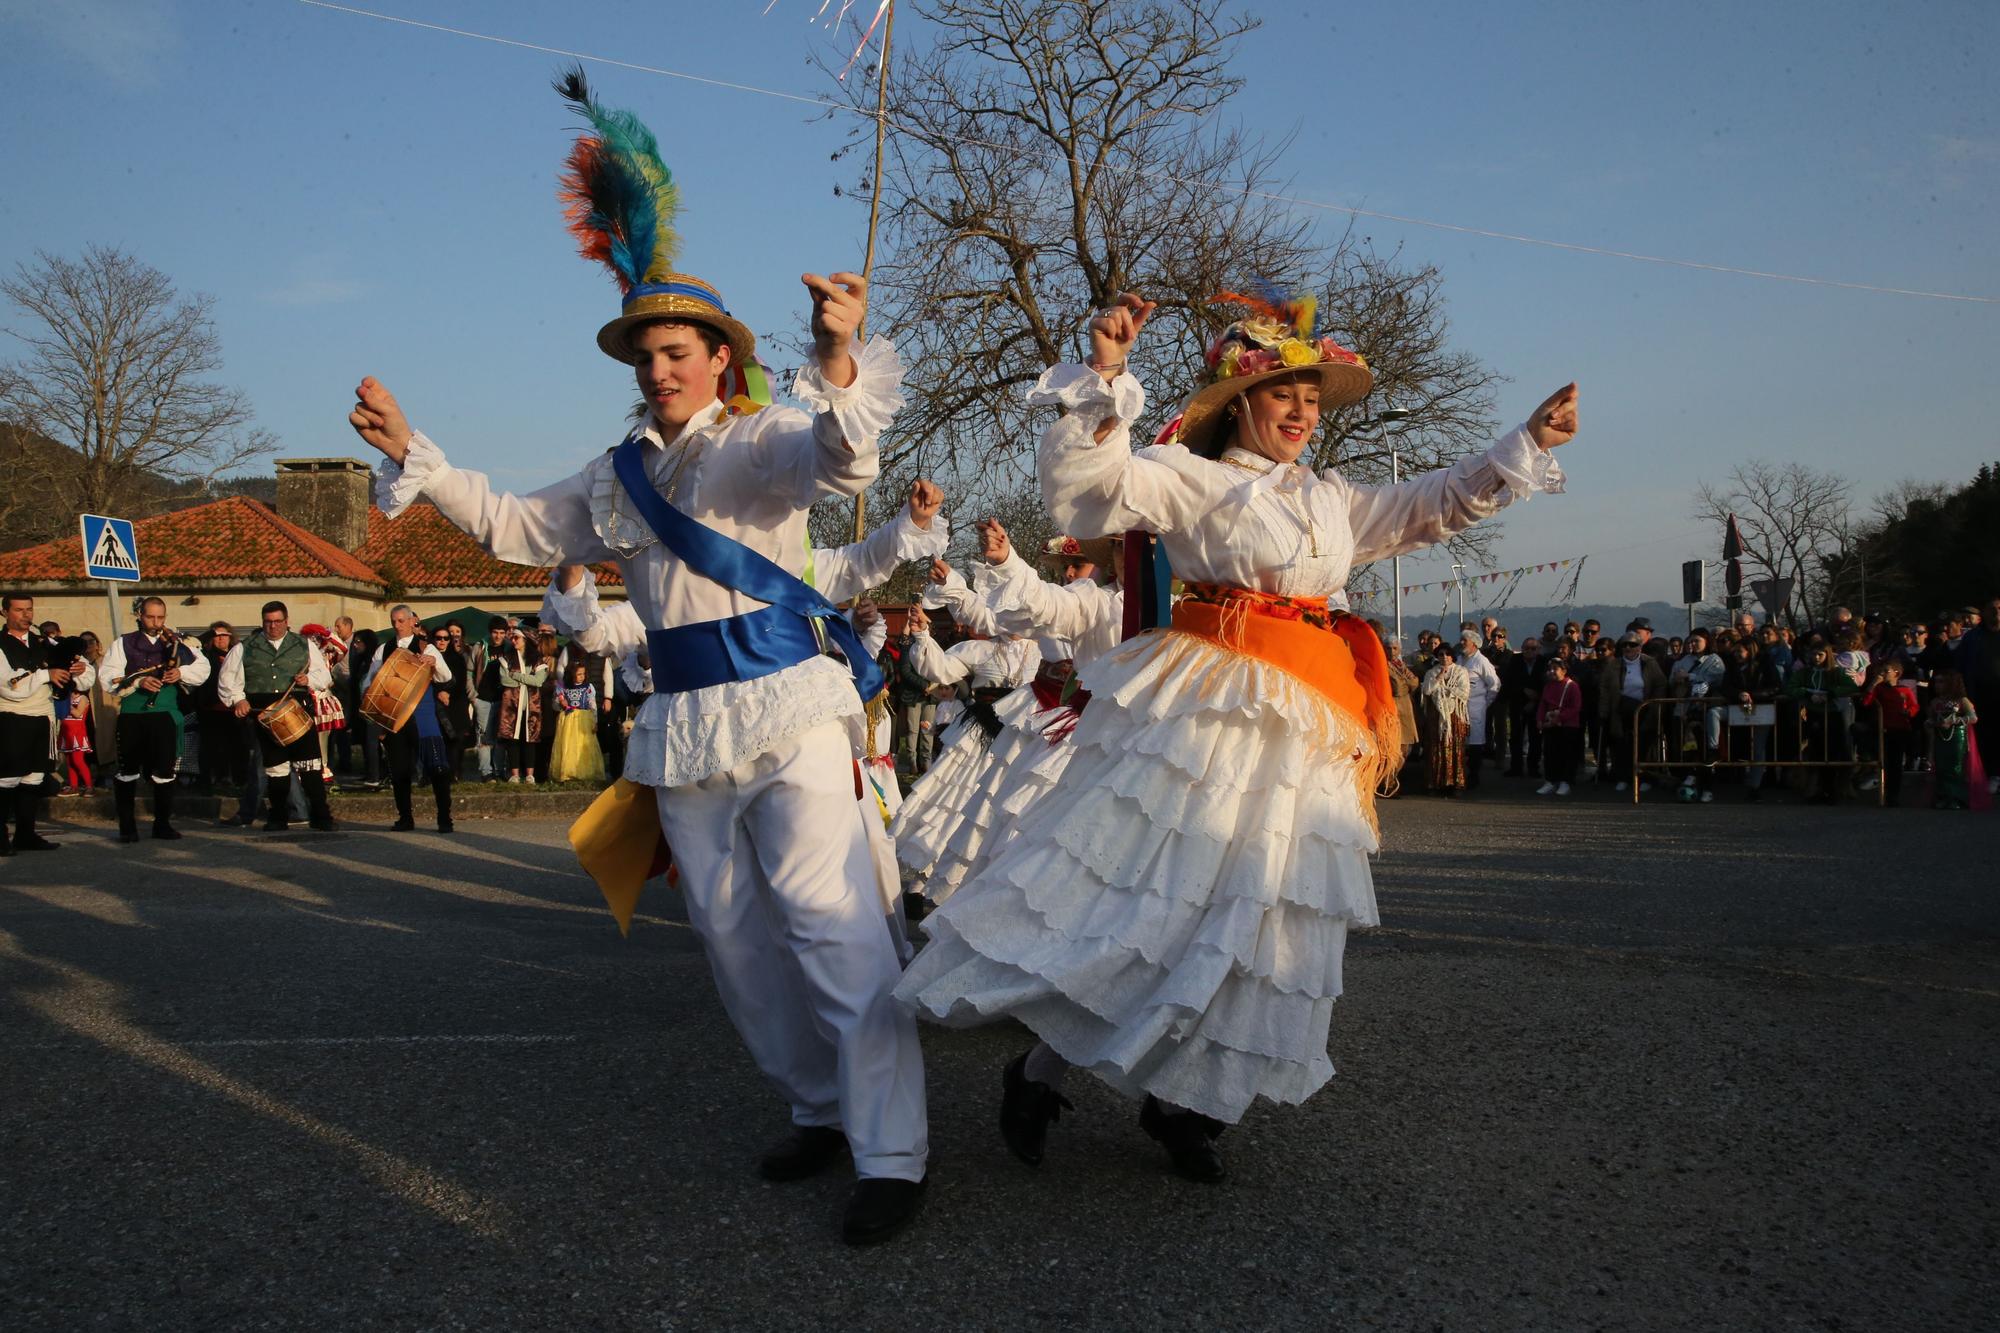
1269,196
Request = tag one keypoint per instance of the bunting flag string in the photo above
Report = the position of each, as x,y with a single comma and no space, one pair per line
1495,575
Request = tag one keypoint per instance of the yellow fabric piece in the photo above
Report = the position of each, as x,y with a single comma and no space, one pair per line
619,844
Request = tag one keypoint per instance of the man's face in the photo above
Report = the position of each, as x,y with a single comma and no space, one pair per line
1548,632
1591,629
676,372
1642,634
497,636
1746,623
405,623
153,618
21,616
1532,648
344,627
275,625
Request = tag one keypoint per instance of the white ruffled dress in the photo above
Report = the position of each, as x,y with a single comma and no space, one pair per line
1172,913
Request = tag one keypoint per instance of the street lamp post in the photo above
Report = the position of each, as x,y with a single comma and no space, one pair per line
1459,583
1386,417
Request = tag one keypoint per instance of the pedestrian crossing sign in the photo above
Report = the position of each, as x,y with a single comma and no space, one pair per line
110,551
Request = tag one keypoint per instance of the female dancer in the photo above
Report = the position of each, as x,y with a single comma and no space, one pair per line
1171,913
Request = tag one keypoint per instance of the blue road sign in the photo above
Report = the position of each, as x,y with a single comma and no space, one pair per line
110,551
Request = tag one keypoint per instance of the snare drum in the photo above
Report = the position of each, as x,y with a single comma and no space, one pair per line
392,697
287,720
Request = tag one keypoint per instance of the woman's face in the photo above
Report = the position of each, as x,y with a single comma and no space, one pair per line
1280,417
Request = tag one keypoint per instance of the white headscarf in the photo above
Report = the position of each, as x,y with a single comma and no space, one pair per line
1448,688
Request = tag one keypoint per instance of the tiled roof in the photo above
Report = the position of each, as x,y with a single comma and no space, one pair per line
421,549
241,538
225,539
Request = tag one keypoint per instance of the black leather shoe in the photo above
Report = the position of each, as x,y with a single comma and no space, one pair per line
403,824
446,826
33,842
810,1150
276,825
879,1208
1027,1109
1189,1139
166,832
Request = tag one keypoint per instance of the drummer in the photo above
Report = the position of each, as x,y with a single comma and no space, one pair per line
259,671
145,672
420,737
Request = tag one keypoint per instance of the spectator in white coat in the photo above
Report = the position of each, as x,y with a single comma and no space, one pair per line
1485,689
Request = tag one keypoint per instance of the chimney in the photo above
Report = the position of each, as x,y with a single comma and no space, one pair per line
328,497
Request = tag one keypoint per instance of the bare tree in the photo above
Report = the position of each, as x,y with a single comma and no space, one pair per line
1796,523
114,369
1049,154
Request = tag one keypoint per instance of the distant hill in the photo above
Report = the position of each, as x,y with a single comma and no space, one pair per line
36,506
1522,621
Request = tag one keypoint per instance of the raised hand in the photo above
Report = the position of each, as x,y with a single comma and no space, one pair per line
926,498
917,622
940,572
994,547
1113,331
865,614
1554,422
377,419
839,305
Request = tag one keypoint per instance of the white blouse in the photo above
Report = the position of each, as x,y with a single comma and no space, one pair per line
1245,520
1083,613
751,478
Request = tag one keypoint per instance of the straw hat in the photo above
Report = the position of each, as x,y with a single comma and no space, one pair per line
678,296
621,203
1100,551
1275,341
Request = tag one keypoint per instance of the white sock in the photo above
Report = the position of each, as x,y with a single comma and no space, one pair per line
1045,1066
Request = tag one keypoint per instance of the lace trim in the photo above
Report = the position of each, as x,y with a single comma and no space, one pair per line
398,485
683,738
864,407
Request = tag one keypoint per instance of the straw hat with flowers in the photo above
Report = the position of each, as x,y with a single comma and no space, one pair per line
1275,340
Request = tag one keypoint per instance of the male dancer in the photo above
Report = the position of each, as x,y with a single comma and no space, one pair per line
746,737
30,674
145,670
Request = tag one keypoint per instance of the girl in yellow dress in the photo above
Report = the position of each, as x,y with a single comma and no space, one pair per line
576,757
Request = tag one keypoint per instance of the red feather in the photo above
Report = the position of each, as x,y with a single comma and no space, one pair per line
573,188
1256,303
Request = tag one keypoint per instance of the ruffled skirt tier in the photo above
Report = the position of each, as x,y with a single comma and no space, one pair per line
1171,910
942,798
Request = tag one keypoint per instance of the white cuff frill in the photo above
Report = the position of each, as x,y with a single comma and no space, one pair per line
936,595
1079,388
398,485
862,409
915,543
1524,467
572,611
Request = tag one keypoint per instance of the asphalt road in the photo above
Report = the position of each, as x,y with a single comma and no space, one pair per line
1681,1067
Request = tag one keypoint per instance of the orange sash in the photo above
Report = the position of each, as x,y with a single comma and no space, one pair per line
1328,650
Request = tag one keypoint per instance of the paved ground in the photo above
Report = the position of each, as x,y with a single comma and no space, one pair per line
1717,1067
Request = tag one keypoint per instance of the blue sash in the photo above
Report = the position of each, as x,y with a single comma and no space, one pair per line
788,631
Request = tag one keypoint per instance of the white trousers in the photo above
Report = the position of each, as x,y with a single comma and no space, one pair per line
780,886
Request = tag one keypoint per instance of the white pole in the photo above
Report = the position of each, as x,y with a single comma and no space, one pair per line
1459,583
111,600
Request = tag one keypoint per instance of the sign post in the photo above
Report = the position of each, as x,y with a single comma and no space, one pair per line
111,553
1693,588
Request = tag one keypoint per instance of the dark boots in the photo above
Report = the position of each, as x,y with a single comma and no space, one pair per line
127,796
1188,1137
319,815
163,812
406,819
277,803
441,788
25,838
1027,1109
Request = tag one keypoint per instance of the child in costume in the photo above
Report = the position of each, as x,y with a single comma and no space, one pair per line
577,758
1171,914
73,723
1956,782
747,740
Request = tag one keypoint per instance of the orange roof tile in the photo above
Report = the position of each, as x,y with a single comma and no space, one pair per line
231,538
421,548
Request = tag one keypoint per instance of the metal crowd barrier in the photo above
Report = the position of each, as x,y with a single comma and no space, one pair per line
1688,746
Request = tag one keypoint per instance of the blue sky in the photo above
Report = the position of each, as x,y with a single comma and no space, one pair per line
362,197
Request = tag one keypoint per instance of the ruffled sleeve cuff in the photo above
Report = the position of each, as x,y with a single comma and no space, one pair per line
915,543
398,485
573,610
936,595
859,412
1524,467
1081,389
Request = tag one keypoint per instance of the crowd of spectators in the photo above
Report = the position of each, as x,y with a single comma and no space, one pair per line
1857,702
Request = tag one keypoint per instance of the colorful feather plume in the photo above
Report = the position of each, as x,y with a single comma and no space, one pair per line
619,196
1271,302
